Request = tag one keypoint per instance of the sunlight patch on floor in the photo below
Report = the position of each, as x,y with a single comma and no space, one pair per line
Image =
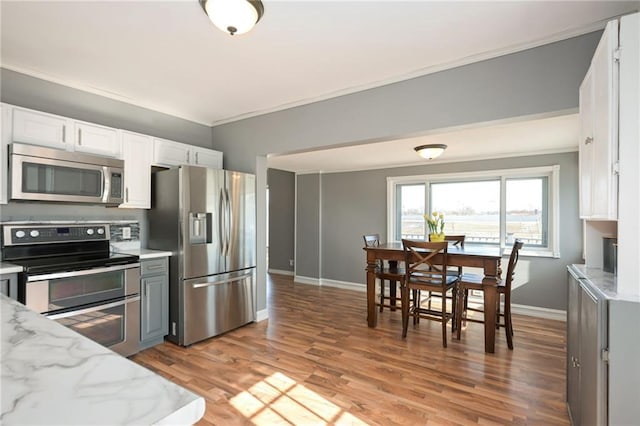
280,400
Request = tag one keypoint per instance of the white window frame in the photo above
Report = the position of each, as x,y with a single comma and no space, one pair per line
553,202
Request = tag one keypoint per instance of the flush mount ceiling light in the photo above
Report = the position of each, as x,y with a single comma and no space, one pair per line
233,16
430,151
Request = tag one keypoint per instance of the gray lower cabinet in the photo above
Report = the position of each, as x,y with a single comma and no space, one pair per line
9,285
154,311
587,354
603,349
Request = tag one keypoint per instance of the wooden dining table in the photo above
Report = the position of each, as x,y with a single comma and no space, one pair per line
473,256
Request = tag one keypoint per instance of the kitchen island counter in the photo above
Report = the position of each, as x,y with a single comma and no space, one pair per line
53,375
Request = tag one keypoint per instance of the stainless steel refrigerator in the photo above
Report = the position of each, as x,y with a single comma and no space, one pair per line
207,218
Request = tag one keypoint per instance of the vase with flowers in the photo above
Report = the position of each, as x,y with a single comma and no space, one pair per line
435,222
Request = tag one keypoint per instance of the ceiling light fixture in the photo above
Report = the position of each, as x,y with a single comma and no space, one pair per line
233,16
430,151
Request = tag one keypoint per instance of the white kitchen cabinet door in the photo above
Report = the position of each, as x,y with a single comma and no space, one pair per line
94,139
604,179
5,139
586,145
168,153
39,128
137,154
206,158
599,131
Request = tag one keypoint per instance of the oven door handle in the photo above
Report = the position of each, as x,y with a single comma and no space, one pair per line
93,308
93,271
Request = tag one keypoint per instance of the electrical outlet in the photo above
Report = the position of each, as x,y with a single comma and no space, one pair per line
290,262
126,233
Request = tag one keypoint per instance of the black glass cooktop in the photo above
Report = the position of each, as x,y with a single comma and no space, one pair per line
74,262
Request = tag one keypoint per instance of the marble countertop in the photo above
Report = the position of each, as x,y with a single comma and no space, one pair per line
9,268
52,375
603,282
146,253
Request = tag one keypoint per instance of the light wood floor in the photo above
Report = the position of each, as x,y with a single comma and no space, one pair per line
315,361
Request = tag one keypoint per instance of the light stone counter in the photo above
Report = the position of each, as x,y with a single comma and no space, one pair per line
9,268
604,283
145,253
52,375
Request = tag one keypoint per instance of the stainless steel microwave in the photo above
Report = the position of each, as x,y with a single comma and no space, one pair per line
45,174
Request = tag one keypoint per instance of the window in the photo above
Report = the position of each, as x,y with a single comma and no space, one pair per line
491,208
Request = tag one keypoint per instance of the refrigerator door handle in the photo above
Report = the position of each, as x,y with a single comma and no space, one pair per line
210,283
229,220
222,223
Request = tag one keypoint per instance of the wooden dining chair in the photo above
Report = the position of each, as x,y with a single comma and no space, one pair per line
391,273
426,269
474,282
455,241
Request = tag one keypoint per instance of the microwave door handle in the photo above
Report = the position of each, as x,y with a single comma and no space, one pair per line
106,184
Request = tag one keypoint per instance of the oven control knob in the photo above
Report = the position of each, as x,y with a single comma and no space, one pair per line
34,233
100,231
89,231
20,234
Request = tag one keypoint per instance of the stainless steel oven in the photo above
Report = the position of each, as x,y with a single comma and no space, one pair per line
45,174
102,304
70,277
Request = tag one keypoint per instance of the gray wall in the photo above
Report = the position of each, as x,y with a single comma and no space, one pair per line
30,92
355,203
308,232
282,200
535,81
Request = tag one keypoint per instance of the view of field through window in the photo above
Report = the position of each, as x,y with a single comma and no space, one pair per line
473,209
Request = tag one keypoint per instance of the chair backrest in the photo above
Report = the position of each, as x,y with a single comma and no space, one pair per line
458,240
371,240
513,261
425,262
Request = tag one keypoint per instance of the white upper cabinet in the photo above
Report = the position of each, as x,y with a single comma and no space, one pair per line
137,153
207,158
39,128
168,153
95,139
599,131
5,137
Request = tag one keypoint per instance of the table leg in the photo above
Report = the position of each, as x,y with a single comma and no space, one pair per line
372,314
392,286
490,292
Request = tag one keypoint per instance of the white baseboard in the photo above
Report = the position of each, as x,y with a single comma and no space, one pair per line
306,280
536,311
532,311
344,284
262,315
330,283
280,272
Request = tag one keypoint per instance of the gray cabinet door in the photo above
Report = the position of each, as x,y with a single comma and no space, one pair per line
9,285
155,307
573,350
593,380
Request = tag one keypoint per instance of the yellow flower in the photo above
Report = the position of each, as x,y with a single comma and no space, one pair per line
435,214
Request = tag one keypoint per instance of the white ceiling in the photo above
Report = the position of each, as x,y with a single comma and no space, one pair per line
167,56
541,136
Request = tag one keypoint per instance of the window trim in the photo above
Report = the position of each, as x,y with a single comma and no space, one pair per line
553,200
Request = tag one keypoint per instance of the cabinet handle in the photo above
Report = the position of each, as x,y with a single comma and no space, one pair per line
188,156
153,268
588,140
79,136
126,194
64,133
197,158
